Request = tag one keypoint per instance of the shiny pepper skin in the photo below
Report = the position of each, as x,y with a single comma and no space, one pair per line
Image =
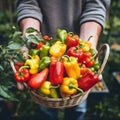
22,76
48,90
88,80
72,40
45,88
33,63
38,79
76,52
56,72
72,67
57,49
66,86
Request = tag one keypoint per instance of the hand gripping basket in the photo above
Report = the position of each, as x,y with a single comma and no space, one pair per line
74,99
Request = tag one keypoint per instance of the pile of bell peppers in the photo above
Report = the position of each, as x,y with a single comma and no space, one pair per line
59,67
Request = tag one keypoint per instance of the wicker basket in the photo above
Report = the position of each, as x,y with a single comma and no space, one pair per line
59,102
74,99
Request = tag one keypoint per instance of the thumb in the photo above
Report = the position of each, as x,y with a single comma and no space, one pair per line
20,86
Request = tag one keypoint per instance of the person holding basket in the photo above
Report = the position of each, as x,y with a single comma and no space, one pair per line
83,17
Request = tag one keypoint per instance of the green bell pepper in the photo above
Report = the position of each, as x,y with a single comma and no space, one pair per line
44,62
62,34
45,50
34,52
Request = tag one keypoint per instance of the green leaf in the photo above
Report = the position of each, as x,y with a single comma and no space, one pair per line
1,68
5,93
32,39
14,46
17,34
39,37
24,38
31,30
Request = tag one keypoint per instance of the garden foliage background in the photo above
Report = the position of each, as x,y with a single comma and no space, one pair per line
16,104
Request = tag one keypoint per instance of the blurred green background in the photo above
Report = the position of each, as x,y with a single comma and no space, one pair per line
19,105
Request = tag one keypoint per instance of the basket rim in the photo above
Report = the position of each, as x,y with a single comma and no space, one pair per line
59,102
56,99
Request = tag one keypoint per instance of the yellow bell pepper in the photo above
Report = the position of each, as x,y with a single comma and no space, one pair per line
86,45
45,88
72,67
57,49
33,64
48,90
69,87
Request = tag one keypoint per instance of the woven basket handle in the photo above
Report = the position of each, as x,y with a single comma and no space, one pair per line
107,52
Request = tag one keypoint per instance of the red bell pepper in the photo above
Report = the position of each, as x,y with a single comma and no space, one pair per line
83,69
56,72
22,75
37,79
88,62
18,65
76,52
72,40
88,80
87,54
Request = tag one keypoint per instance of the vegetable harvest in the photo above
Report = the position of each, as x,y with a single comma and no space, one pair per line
58,67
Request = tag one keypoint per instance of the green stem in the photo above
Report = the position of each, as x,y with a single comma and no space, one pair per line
29,56
69,60
71,33
23,67
93,57
73,86
54,86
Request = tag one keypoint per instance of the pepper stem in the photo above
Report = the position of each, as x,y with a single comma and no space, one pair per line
93,57
66,57
73,86
71,33
29,56
23,67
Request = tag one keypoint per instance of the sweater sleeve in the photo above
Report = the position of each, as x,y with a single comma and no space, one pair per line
95,10
28,8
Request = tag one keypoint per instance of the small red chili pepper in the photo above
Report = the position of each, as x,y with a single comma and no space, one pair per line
76,52
72,40
22,75
88,80
56,72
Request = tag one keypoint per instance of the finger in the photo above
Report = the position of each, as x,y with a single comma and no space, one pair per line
20,86
100,77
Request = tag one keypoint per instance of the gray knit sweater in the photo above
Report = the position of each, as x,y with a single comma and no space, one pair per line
65,14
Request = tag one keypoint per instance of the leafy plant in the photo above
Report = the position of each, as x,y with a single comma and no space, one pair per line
12,49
